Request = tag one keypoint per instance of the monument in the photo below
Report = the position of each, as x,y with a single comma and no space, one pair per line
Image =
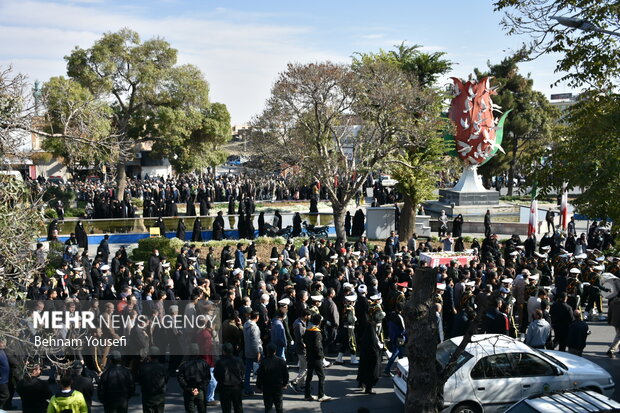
478,136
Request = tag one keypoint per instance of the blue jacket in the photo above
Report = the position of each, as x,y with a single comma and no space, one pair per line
278,336
239,260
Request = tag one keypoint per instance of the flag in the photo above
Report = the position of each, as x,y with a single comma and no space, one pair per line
564,208
532,227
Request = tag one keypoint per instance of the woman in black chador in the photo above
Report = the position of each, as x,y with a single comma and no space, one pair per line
80,235
197,231
181,230
369,369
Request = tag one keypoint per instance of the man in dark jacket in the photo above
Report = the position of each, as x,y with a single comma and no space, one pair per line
561,319
153,377
577,334
81,383
314,356
496,322
229,373
272,378
33,391
194,376
116,386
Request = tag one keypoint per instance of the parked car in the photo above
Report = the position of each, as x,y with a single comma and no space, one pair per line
495,371
573,401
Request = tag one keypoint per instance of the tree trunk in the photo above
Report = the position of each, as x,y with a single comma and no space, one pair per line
121,180
339,212
423,395
406,226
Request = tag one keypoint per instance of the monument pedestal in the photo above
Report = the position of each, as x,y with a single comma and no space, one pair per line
469,190
468,197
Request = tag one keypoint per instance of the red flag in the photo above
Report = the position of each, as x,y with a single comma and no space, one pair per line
532,227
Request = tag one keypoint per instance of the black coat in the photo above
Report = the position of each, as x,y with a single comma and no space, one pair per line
80,235
197,231
369,369
153,377
115,383
314,344
218,228
229,372
34,393
194,374
272,375
181,230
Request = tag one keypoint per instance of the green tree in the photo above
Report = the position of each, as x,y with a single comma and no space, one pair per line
587,156
530,126
417,168
151,98
585,57
73,111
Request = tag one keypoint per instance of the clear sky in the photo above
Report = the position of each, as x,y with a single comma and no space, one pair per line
241,46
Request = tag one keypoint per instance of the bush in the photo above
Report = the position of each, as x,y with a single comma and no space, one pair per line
50,213
75,212
138,203
468,238
147,245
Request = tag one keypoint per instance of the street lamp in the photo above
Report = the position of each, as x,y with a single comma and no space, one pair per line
582,24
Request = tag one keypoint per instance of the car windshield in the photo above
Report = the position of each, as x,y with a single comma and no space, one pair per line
446,349
549,357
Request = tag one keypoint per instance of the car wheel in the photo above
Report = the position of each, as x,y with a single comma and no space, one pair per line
466,408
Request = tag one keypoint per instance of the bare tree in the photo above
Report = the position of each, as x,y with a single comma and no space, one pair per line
338,123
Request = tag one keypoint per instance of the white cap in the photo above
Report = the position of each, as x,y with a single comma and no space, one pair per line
284,301
59,272
230,261
273,259
193,258
357,253
514,253
598,268
166,265
375,297
237,271
585,284
351,298
441,286
318,274
398,254
534,277
302,259
78,269
362,288
334,257
105,267
575,271
545,248
347,285
581,256
520,247
600,259
507,281
316,297
540,255
470,283
140,263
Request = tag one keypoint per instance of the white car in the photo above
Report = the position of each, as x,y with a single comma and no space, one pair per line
495,371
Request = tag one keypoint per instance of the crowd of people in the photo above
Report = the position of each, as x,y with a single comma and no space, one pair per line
297,308
161,197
